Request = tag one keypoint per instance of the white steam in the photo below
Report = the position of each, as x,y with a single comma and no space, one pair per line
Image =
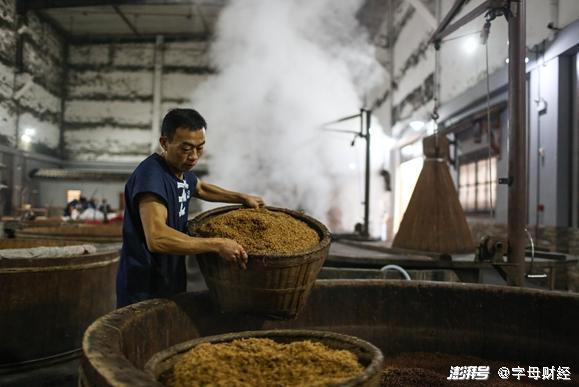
286,67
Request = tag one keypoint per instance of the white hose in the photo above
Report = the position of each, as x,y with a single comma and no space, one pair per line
397,268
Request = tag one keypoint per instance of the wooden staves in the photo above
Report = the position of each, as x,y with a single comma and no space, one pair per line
434,220
106,233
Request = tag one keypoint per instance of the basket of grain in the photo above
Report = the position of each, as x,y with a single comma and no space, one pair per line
286,250
269,358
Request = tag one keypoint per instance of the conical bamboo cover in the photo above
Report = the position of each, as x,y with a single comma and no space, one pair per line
434,220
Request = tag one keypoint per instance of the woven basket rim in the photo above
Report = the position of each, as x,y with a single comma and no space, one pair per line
375,365
320,228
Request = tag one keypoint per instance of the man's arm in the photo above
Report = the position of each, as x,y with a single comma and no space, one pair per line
161,238
213,193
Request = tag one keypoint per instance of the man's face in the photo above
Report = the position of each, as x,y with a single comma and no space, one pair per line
185,149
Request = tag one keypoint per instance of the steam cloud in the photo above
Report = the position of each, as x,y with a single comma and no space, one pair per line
286,67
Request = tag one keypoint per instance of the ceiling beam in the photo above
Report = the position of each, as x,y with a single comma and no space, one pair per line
454,10
424,12
126,20
30,5
446,29
54,24
195,7
142,38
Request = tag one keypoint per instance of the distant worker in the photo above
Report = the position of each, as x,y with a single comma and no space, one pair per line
28,214
70,206
83,204
92,203
105,208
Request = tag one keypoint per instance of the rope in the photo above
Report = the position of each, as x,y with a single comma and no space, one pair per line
436,81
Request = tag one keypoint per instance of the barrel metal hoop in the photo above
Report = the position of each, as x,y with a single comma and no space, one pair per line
54,268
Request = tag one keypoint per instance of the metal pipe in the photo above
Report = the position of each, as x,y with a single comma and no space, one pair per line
555,14
476,12
63,99
157,91
19,68
367,116
343,119
517,215
575,142
394,153
454,10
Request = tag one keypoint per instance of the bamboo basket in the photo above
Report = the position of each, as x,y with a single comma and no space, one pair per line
434,220
276,286
368,355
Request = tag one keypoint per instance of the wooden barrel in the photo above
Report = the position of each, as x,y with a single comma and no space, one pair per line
48,222
273,285
47,303
524,326
78,232
31,243
367,354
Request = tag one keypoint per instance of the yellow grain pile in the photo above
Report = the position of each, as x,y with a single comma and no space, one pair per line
261,231
261,363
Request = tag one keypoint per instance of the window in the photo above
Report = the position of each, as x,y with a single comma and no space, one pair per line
477,180
72,194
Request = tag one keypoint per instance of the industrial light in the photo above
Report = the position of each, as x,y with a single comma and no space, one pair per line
29,133
526,60
431,127
470,45
416,125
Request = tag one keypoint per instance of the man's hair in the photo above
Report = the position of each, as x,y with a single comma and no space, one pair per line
181,118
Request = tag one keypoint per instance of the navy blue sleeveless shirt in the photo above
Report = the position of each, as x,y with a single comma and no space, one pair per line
142,274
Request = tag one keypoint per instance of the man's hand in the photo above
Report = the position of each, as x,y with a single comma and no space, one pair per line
232,252
253,201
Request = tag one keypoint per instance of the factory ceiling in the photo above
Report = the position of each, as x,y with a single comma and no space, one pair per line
129,20
102,20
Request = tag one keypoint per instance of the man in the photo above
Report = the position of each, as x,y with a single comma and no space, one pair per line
105,207
157,198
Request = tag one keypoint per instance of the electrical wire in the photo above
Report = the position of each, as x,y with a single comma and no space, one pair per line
436,96
461,36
